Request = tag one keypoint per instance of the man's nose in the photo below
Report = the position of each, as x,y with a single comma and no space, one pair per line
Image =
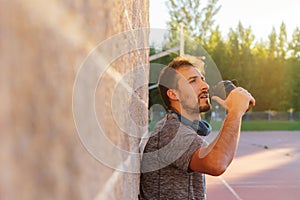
204,86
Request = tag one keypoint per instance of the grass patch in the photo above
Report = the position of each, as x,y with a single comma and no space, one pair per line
216,125
270,125
262,125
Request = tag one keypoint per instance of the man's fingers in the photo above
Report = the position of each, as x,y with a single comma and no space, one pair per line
252,101
219,101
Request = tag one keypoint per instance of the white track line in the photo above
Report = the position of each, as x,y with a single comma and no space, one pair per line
230,188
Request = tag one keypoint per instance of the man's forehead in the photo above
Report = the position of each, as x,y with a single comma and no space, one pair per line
189,71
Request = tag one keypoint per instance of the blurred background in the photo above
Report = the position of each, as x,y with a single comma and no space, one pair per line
257,43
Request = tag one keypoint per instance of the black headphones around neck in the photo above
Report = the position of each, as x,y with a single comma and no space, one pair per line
201,127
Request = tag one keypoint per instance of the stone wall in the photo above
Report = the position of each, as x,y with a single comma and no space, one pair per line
42,46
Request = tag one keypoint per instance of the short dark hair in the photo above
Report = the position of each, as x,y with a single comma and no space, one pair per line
168,78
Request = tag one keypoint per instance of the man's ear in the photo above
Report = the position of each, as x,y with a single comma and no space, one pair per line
172,95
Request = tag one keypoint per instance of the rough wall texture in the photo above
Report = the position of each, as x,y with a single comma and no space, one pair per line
42,44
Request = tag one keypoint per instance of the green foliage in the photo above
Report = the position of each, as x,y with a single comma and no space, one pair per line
270,125
282,42
294,45
269,69
272,44
196,18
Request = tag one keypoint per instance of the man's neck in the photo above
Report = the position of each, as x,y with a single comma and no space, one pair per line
190,116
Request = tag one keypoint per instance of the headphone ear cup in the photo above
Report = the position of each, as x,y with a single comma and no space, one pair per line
201,127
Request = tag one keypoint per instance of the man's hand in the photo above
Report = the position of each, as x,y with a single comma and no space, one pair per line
215,158
238,101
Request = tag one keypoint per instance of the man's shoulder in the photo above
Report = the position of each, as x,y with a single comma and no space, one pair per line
164,129
168,129
170,120
169,125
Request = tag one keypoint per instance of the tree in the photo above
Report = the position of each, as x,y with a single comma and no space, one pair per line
272,44
268,69
207,24
294,69
294,45
197,19
240,42
282,43
216,47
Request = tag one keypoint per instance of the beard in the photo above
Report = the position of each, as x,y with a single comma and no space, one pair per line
195,107
206,107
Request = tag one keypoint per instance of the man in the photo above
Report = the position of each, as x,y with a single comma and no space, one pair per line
176,156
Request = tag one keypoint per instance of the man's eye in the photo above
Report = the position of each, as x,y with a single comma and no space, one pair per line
193,80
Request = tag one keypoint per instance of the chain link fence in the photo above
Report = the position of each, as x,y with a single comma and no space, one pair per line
272,115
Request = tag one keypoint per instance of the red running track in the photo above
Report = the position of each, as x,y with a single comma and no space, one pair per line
266,167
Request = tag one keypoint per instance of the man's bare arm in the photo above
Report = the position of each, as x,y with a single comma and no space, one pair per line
219,154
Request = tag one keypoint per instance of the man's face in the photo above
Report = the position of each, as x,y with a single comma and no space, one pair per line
192,90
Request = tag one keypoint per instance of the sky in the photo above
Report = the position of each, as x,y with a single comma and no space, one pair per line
261,15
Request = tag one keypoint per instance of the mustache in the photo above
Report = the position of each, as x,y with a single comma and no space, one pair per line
203,92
